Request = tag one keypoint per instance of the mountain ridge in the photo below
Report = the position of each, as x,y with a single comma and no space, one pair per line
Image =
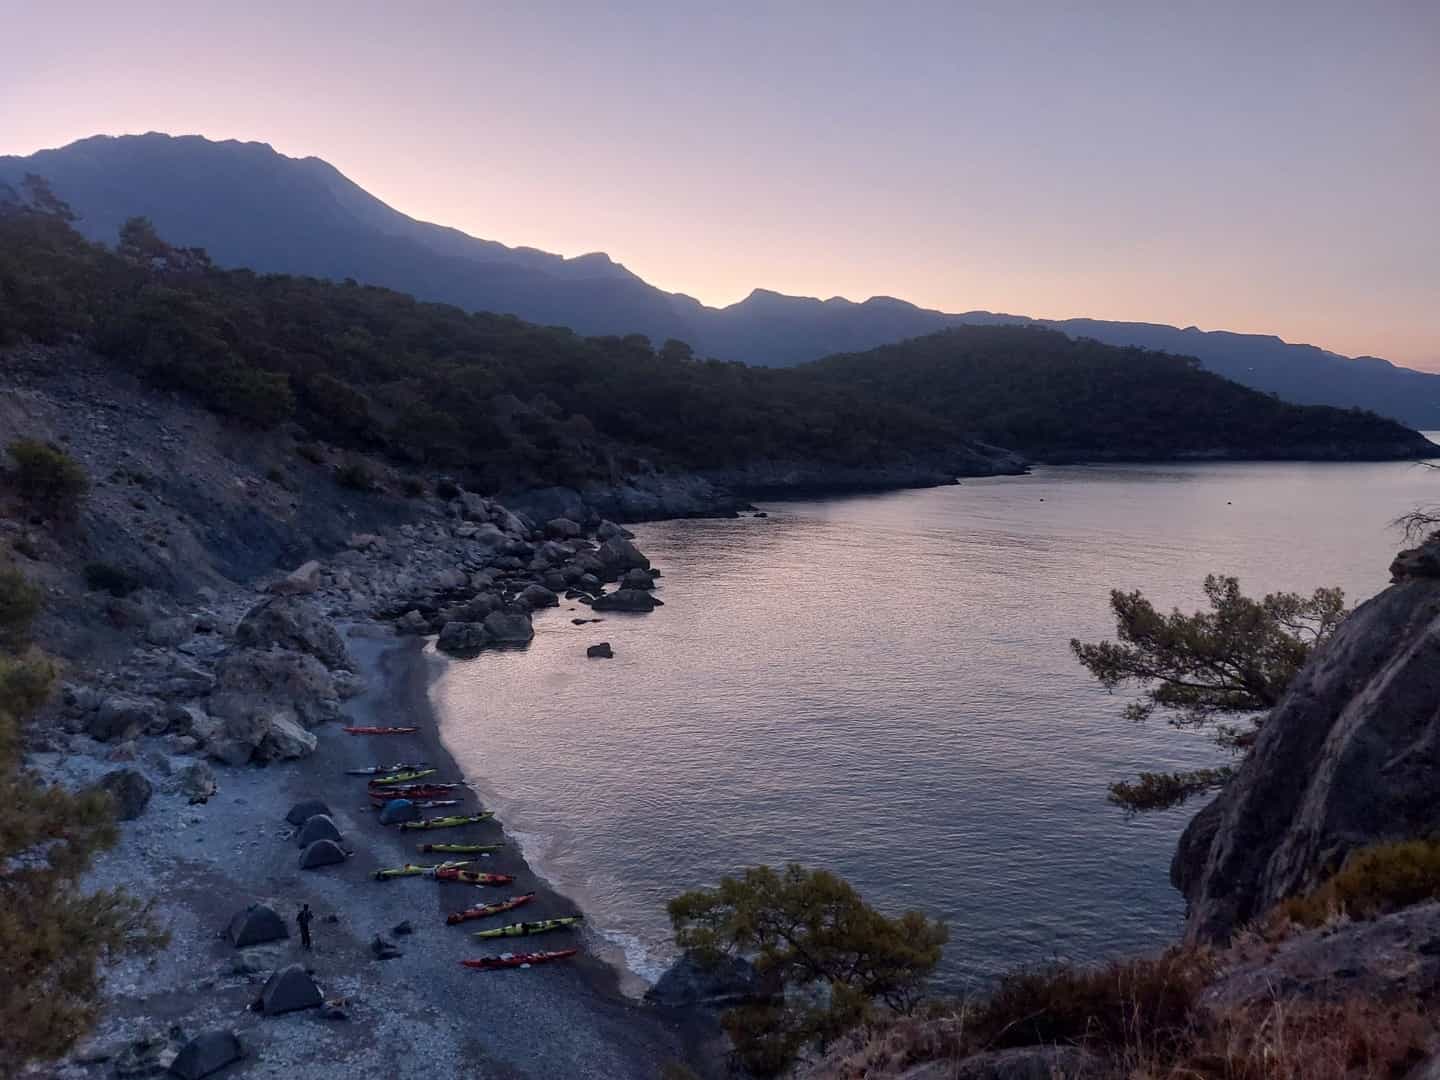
251,206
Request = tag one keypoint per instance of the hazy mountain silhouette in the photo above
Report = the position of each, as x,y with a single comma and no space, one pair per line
250,206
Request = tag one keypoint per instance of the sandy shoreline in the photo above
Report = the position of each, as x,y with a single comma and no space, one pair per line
421,1014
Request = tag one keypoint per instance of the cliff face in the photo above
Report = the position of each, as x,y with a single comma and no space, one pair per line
1350,757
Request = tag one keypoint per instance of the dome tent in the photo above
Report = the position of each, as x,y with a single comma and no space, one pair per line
256,925
289,989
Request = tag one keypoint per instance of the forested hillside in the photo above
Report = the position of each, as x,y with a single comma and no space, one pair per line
508,404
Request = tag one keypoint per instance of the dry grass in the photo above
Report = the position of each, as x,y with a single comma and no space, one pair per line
1280,1039
1374,881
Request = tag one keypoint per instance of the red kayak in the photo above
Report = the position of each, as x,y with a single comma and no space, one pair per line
380,730
517,959
457,917
473,877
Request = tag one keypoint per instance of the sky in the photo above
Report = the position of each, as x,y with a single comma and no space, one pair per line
1264,166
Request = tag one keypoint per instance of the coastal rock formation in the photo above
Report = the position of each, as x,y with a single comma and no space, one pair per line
1348,758
292,624
250,679
461,638
731,980
509,627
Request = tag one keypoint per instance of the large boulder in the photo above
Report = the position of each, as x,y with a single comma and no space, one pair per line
318,827
256,925
293,624
206,1053
729,980
462,637
305,578
536,597
626,600
196,782
509,627
637,579
120,717
618,555
321,853
285,740
1346,759
289,989
128,790
170,632
562,528
252,679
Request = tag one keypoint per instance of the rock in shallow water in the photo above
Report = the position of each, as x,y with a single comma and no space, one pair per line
601,651
627,600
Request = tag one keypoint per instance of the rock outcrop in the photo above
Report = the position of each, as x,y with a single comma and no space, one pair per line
1350,757
291,623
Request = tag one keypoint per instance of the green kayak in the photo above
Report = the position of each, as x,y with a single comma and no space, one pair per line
401,778
447,822
412,870
521,929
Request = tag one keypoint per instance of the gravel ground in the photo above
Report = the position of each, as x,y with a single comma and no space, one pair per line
420,1015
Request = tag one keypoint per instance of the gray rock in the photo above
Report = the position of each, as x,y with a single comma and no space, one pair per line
304,579
536,597
170,632
462,638
602,651
1418,562
608,530
474,507
384,950
249,680
562,528
412,622
1346,759
729,981
626,600
184,719
619,554
509,627
119,718
285,740
637,579
196,782
129,790
294,625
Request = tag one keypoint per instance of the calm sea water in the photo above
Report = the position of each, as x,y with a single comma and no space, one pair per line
883,686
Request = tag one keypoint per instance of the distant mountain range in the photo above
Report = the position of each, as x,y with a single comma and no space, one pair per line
252,207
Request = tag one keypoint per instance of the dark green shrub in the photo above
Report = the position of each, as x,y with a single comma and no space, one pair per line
105,577
19,604
46,477
356,476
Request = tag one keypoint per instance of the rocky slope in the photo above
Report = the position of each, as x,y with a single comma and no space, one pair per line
1350,756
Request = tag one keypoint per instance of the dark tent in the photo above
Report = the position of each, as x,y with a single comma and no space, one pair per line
321,853
289,989
208,1052
398,810
306,809
255,925
318,827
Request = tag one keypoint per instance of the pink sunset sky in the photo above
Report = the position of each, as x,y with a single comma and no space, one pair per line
1262,167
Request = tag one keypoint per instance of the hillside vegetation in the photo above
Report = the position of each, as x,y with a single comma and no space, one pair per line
507,404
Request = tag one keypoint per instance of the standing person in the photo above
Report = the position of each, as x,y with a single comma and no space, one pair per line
305,918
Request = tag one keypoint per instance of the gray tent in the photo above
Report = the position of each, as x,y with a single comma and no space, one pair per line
305,809
207,1053
321,853
289,989
398,810
255,925
318,827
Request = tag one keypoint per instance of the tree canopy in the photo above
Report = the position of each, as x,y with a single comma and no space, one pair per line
812,930
1233,661
508,404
